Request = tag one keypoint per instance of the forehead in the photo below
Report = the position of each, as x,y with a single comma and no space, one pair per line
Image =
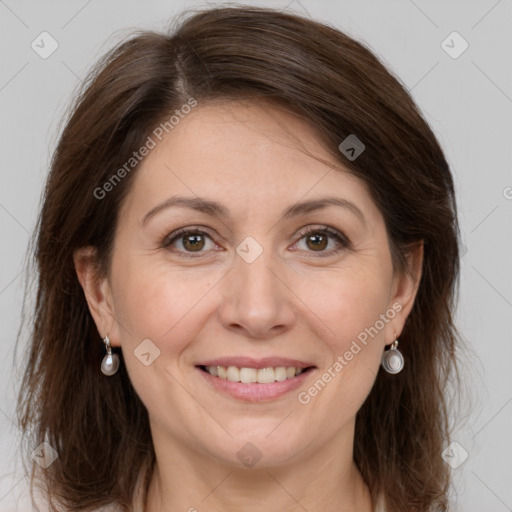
245,154
226,134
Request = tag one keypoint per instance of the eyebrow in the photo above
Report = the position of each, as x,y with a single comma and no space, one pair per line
216,209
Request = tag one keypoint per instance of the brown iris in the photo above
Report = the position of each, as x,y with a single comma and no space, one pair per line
193,242
319,241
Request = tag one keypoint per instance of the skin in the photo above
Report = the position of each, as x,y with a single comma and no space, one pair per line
255,159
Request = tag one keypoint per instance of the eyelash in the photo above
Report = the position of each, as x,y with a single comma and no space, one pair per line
324,230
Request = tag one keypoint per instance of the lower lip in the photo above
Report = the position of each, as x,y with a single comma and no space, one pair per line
254,391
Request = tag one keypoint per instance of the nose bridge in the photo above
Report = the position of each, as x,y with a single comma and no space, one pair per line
257,276
255,299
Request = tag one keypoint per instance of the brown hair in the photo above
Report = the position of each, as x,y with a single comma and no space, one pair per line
98,425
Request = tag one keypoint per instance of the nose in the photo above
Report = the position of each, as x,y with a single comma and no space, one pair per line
256,301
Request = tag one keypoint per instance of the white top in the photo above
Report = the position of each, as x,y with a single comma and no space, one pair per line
379,506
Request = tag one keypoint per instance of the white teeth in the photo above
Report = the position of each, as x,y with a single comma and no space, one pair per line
266,375
290,372
233,374
280,372
248,375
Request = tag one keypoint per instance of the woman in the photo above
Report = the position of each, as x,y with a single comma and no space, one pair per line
247,260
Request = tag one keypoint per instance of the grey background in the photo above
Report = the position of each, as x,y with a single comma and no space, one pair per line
467,101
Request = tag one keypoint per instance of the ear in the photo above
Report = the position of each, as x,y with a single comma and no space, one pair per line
97,292
405,287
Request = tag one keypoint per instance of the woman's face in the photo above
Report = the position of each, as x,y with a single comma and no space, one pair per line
247,283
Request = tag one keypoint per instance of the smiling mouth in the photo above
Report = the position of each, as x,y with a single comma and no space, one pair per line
247,375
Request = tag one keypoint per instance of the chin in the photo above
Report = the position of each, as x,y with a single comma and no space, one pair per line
259,449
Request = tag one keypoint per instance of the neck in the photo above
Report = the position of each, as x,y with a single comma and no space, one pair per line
325,480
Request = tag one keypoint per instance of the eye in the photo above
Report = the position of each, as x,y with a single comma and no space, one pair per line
194,240
191,240
317,240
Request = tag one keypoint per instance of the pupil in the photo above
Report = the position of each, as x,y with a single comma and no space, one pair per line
314,239
195,241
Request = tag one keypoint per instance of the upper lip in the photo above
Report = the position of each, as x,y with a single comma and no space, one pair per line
249,362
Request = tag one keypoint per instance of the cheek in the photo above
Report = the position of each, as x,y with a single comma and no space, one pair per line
352,303
156,303
353,307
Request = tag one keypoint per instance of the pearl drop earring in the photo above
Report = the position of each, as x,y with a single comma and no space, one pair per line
110,363
392,359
